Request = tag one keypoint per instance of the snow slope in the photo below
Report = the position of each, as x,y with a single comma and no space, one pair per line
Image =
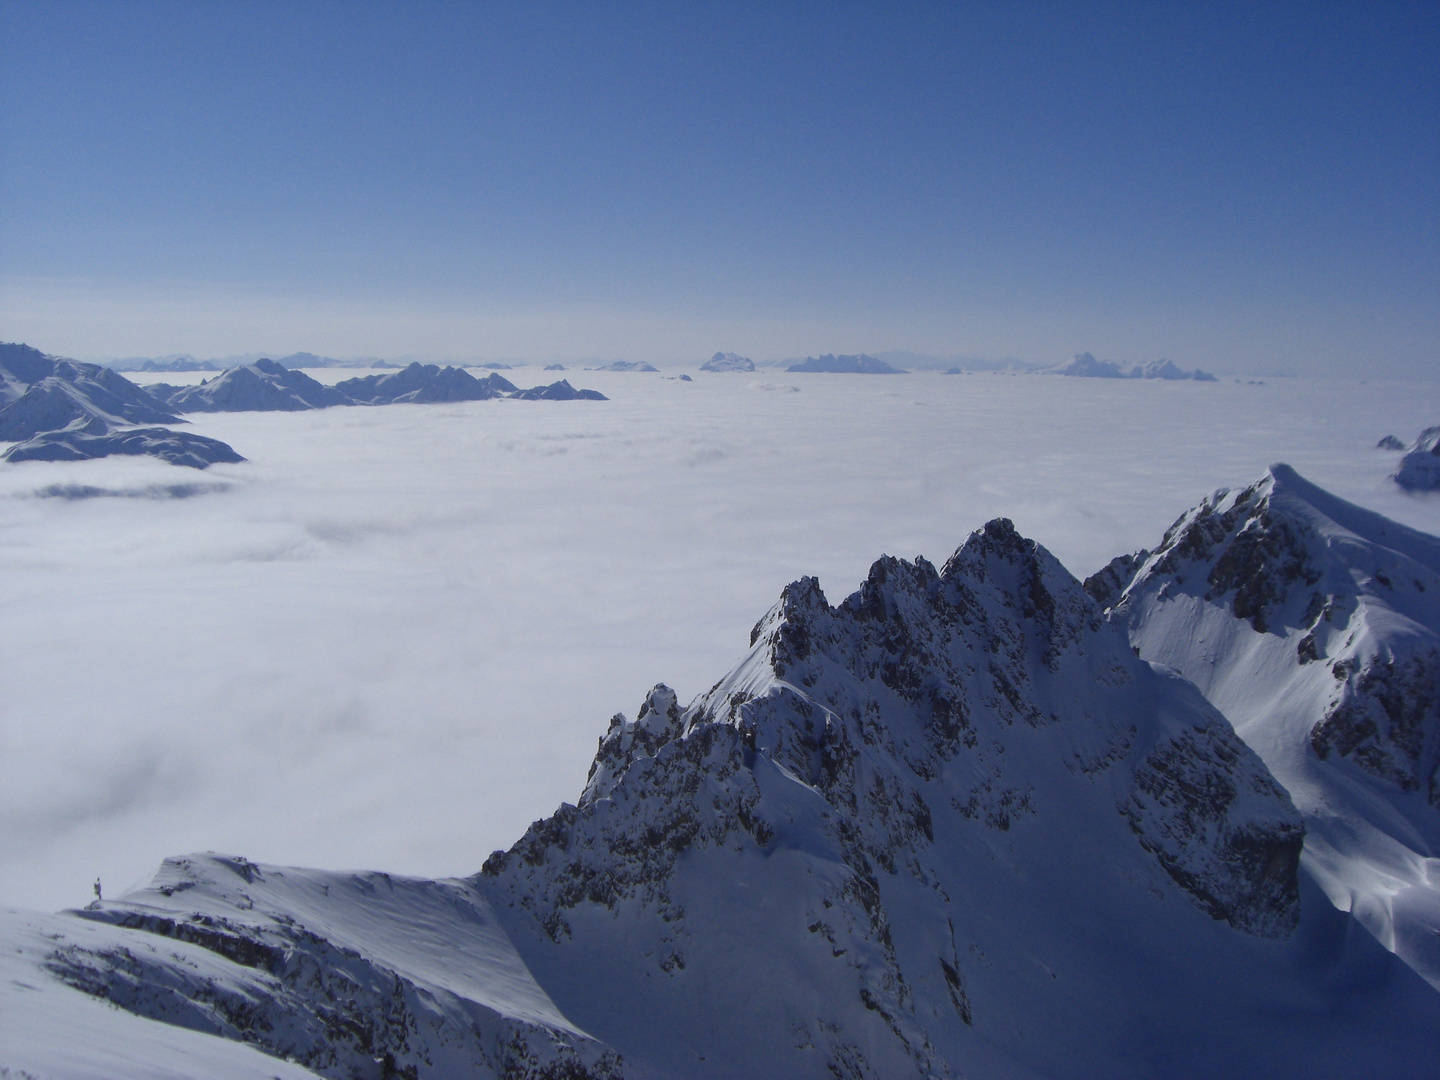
350,975
1314,626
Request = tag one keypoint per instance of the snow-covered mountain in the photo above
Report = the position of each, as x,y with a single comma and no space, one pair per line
1314,625
1420,467
264,386
62,410
558,391
851,365
1085,366
626,365
950,827
80,443
728,361
423,383
267,385
45,393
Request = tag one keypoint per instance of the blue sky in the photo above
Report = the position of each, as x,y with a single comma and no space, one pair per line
1236,188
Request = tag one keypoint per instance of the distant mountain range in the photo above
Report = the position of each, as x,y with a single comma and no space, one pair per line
728,361
625,365
973,820
62,410
267,386
1087,367
846,365
179,362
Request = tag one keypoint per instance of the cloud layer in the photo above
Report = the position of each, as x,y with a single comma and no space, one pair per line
391,638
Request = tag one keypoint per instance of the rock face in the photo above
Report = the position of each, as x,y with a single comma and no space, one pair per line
423,383
264,386
851,365
728,361
1420,467
1314,625
82,444
1085,366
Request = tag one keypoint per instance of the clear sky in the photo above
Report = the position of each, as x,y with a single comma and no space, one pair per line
1243,188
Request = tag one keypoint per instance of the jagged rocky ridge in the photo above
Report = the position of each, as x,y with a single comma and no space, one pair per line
1314,625
952,826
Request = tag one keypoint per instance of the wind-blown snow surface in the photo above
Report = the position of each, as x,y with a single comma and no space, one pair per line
390,639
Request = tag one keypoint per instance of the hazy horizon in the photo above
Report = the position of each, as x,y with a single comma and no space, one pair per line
1231,188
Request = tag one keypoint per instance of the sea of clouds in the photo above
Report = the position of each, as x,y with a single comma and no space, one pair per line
391,638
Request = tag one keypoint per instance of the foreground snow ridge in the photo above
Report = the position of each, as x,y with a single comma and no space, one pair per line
952,826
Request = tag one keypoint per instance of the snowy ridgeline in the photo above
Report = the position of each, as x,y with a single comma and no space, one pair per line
62,410
956,825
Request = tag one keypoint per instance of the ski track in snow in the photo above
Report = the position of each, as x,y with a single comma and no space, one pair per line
391,638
